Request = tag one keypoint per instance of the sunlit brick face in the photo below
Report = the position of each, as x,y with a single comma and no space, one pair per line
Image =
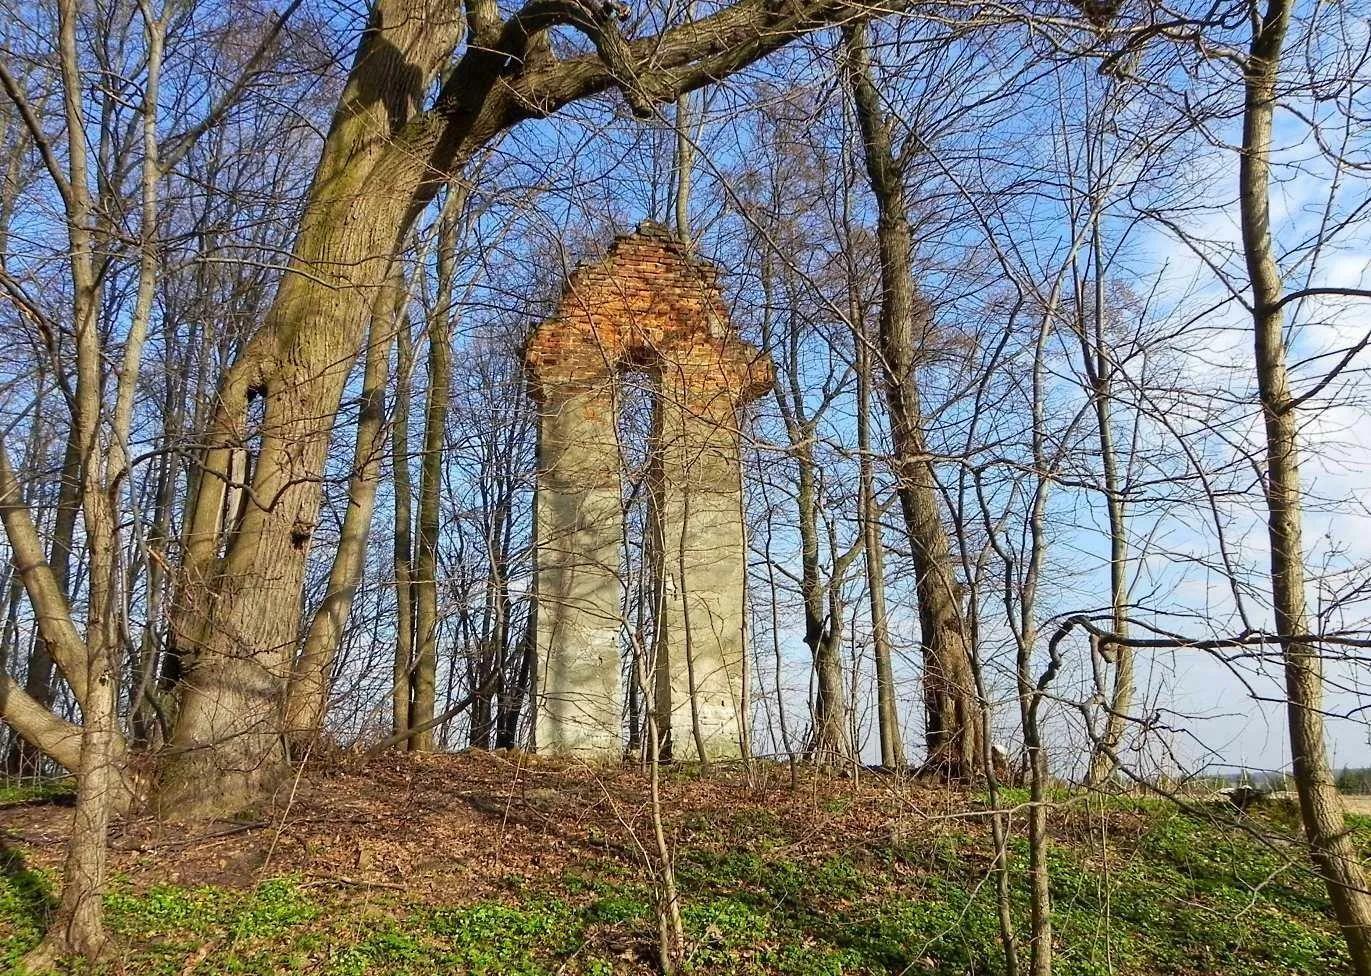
648,305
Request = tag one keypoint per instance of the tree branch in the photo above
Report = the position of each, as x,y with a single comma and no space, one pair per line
1176,641
40,139
691,55
54,614
56,738
175,148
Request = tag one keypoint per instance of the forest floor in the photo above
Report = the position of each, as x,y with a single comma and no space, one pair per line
505,864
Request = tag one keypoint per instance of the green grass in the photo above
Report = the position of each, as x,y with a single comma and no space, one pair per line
1177,895
11,793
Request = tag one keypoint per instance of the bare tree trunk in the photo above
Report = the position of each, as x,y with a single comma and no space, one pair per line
1331,845
78,927
999,819
953,723
79,924
684,164
402,696
143,680
501,458
491,672
149,267
1099,373
830,740
823,631
309,687
430,475
237,619
671,946
888,719
512,701
1030,691
1039,841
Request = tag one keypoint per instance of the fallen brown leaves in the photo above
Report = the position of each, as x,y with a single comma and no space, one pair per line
464,826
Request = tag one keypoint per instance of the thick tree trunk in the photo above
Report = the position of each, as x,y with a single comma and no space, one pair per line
1331,844
953,726
237,619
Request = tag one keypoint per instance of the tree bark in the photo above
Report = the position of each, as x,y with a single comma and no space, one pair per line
237,617
953,711
402,695
1331,846
311,680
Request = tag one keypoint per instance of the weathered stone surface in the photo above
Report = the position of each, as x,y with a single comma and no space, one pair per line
649,306
579,535
697,498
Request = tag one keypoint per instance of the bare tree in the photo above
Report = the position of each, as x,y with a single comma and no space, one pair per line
954,724
1330,844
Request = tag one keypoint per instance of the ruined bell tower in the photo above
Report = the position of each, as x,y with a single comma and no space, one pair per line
651,307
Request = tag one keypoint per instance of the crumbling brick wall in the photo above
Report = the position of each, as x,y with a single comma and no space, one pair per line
648,305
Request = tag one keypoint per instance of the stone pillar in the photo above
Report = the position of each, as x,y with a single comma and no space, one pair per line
702,558
649,305
579,532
